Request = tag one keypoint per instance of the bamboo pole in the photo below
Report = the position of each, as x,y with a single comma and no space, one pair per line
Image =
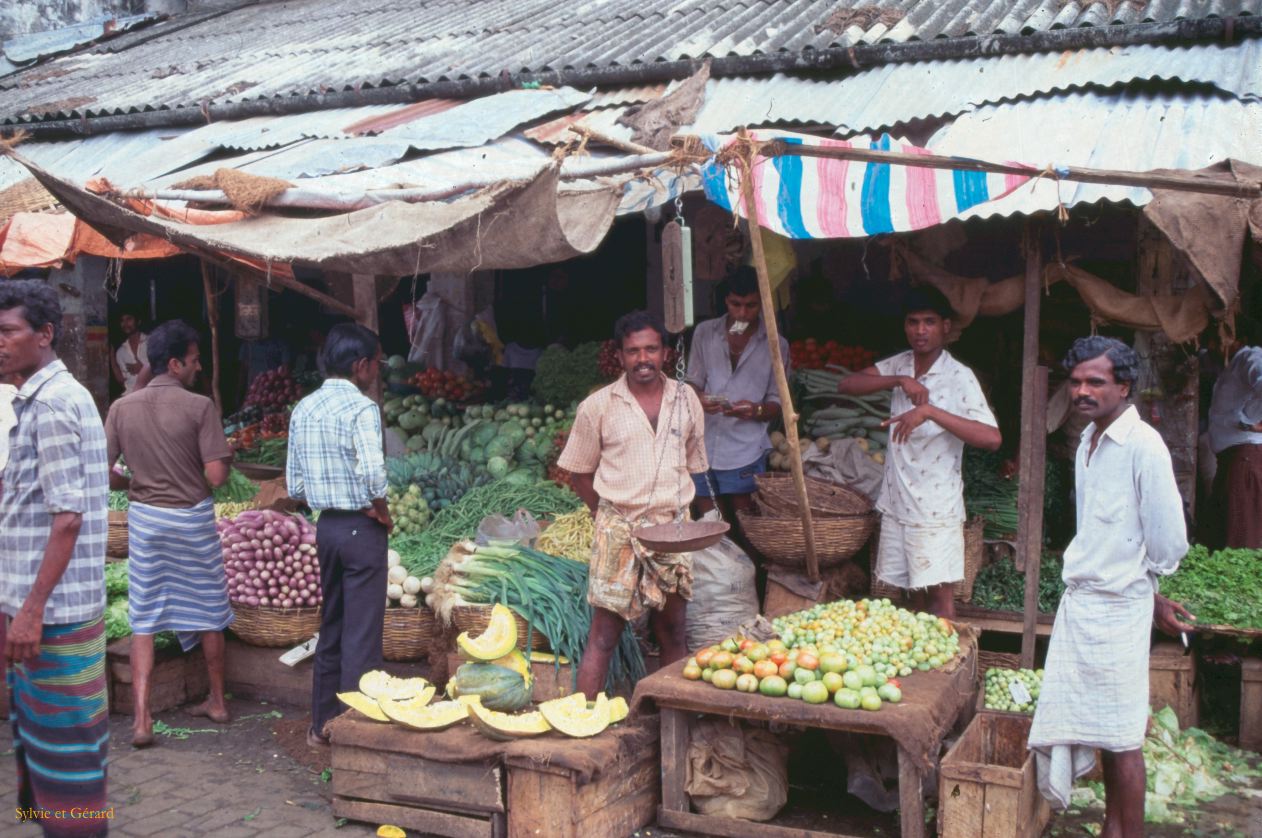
212,317
777,360
1033,453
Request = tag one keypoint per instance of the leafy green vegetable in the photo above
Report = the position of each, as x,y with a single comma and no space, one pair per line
269,452
237,489
116,623
1221,588
1001,586
115,580
988,493
563,376
118,501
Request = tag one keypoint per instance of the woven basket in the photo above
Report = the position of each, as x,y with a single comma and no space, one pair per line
274,627
995,660
828,500
407,633
782,541
475,618
974,552
116,539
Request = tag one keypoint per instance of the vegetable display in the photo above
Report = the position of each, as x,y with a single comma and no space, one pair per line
268,452
1013,690
270,558
812,354
1000,586
1220,588
236,489
117,623
118,501
402,588
565,376
570,535
829,415
990,490
272,389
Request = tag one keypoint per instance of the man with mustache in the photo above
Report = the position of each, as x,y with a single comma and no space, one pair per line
632,451
1130,530
937,408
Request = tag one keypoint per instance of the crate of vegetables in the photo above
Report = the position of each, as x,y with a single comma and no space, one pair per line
273,576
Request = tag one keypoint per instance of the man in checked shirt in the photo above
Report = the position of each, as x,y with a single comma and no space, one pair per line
337,465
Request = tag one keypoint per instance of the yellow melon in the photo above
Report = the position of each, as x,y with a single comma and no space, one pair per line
498,640
381,685
438,716
506,726
576,720
364,704
618,709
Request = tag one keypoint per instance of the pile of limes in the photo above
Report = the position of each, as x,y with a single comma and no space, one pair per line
872,632
1013,690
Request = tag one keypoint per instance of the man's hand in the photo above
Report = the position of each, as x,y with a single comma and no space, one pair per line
711,406
21,642
917,392
1166,614
134,368
904,423
381,516
742,410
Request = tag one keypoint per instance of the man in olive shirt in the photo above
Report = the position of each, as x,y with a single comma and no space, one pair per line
173,443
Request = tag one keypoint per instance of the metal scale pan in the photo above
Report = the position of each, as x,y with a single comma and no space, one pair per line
682,536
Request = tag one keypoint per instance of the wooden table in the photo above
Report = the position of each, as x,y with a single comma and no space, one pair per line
677,699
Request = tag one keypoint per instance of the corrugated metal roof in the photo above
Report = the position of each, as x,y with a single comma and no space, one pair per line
1120,131
280,49
32,46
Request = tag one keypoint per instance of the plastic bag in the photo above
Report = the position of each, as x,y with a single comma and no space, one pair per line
521,529
723,592
737,771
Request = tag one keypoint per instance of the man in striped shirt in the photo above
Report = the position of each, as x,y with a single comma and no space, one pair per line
53,527
337,465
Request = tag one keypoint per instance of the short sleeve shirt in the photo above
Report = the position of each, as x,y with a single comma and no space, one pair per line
57,463
644,473
922,485
166,435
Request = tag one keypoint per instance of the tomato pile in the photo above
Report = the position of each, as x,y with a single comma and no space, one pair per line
810,354
439,384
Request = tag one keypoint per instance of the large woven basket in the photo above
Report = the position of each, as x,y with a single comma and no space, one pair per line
974,552
475,618
781,539
274,627
407,633
116,538
828,500
987,659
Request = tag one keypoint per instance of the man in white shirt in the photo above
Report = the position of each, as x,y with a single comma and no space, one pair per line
937,408
131,354
1130,530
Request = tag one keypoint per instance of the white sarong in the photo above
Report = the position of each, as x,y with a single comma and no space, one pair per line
1095,686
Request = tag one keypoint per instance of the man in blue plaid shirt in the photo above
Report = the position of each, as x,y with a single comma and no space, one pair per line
53,529
337,465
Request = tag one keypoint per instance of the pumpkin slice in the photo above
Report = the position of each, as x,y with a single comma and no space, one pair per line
574,701
506,726
366,705
498,640
416,702
438,716
517,662
618,709
381,686
576,721
548,657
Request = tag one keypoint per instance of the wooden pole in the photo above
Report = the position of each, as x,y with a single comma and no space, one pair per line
364,291
297,287
212,317
777,360
1033,453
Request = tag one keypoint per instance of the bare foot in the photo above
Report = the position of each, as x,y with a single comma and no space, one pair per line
216,713
316,740
142,733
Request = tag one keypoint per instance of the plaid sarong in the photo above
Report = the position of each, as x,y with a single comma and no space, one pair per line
628,579
61,731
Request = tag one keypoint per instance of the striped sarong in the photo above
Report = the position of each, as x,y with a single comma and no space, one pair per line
61,731
175,572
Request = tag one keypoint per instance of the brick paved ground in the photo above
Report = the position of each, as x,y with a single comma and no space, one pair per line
236,783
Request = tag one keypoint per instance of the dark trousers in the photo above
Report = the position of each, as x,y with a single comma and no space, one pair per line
352,551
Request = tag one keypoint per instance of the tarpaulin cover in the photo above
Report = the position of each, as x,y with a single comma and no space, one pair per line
48,239
509,225
932,701
825,198
619,744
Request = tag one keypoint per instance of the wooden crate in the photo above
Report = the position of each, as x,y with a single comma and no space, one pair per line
544,800
1251,704
1172,682
460,800
987,784
177,678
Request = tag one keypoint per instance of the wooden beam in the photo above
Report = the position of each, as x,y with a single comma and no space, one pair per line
364,293
212,317
290,284
1033,444
777,361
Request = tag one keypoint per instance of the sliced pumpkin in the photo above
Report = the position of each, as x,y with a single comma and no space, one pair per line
438,716
574,700
517,662
364,704
578,721
389,830
381,686
618,709
506,726
548,657
416,702
498,640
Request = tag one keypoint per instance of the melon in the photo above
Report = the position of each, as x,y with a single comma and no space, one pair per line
618,709
498,640
366,705
574,700
438,716
380,685
506,726
578,722
498,687
416,702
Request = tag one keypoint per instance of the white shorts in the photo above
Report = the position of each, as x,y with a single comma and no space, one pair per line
919,557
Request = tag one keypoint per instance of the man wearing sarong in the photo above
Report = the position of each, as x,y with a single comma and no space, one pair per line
53,529
337,465
633,450
936,408
1235,434
173,443
1130,530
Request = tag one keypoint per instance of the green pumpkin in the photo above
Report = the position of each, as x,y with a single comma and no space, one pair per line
499,687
